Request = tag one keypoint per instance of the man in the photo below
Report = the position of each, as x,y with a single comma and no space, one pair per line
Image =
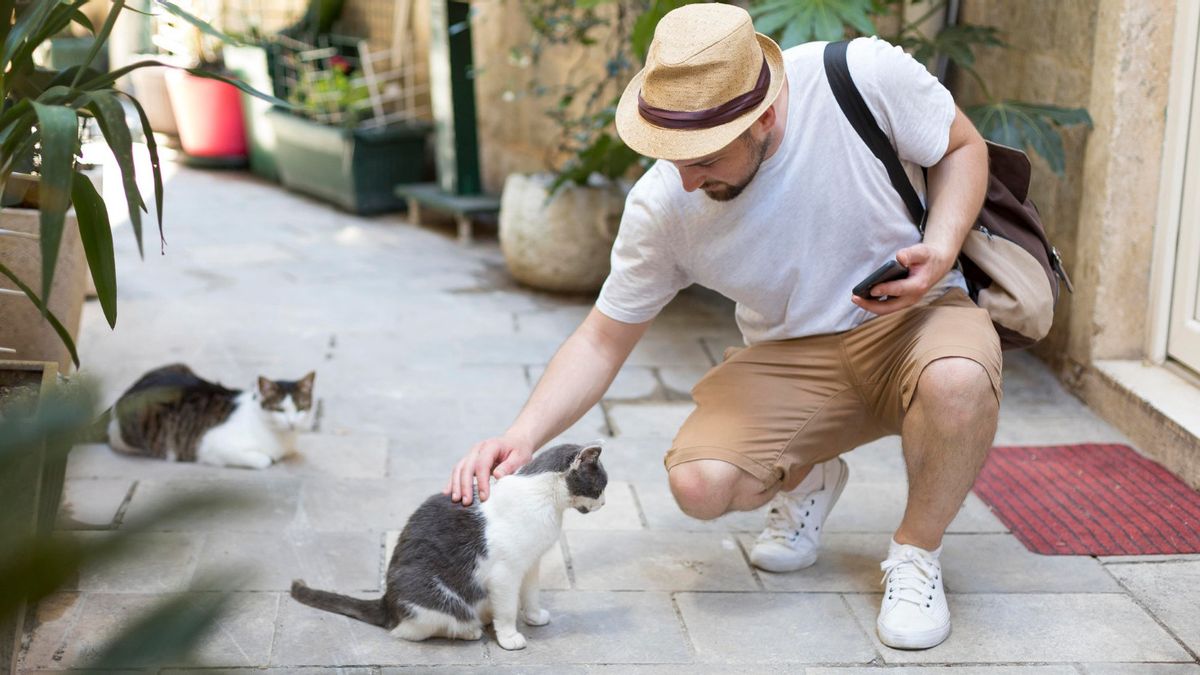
764,192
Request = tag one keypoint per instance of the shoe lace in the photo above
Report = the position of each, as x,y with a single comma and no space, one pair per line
787,517
911,578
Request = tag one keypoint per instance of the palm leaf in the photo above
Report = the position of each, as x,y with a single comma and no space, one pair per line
96,233
155,166
101,39
1029,126
792,22
58,127
203,25
110,115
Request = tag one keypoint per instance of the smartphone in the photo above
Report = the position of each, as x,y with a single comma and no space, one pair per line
889,271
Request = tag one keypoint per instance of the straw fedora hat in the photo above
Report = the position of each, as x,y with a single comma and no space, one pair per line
708,76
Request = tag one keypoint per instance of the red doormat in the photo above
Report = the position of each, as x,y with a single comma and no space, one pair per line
1090,499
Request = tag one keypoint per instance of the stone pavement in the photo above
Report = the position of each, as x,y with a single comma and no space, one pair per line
423,347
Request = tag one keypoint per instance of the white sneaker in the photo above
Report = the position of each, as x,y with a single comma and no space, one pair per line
914,614
792,537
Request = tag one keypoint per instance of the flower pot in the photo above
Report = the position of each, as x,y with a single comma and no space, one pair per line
209,116
150,85
562,244
252,65
34,483
356,169
23,327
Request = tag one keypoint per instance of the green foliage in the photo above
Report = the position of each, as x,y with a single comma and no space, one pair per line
1017,124
796,21
332,94
44,109
36,435
1028,125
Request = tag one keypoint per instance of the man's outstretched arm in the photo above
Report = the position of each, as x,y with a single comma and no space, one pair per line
574,381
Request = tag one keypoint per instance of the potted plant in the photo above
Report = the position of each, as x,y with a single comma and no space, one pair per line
41,115
557,227
256,62
339,142
208,111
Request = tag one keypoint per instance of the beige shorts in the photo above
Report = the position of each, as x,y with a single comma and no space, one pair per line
774,408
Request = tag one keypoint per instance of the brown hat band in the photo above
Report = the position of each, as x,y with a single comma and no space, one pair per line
712,117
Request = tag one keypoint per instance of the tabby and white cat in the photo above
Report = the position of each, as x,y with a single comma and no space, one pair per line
173,414
456,568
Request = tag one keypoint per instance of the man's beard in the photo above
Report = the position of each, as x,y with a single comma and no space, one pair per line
728,192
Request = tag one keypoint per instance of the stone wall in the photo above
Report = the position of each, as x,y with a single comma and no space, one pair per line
1111,57
1049,61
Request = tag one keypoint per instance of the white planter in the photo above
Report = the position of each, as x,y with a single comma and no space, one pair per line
563,245
22,327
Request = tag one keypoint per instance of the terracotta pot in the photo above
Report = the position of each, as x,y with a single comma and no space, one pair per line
22,327
209,116
562,244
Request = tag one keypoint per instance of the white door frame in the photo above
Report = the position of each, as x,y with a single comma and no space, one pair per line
1171,181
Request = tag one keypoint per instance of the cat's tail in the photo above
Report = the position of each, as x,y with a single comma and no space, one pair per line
370,611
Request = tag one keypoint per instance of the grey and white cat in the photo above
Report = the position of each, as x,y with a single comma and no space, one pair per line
457,568
173,414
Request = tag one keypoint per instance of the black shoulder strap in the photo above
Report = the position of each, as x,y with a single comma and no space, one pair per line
856,111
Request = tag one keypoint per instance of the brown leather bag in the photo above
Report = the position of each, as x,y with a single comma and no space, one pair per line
1010,266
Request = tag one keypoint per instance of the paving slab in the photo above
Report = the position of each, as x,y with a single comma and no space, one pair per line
879,507
91,503
942,670
345,562
658,561
357,505
601,628
1169,591
660,420
773,628
1037,628
241,505
73,627
337,456
1140,668
972,563
148,562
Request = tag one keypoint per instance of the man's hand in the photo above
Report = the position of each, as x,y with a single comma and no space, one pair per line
506,455
926,266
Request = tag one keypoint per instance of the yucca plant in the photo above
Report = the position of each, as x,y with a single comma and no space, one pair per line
43,111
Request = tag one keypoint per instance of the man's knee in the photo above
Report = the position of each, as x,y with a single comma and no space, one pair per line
703,488
957,387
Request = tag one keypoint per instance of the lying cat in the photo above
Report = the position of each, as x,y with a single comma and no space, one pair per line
457,567
172,414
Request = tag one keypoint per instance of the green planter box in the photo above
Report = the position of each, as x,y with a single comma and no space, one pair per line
356,169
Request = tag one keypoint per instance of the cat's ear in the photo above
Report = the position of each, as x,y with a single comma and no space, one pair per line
305,384
266,387
589,455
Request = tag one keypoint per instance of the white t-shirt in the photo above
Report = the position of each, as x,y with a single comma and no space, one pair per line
818,218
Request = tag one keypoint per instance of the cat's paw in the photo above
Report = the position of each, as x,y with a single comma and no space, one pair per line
538,617
511,641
